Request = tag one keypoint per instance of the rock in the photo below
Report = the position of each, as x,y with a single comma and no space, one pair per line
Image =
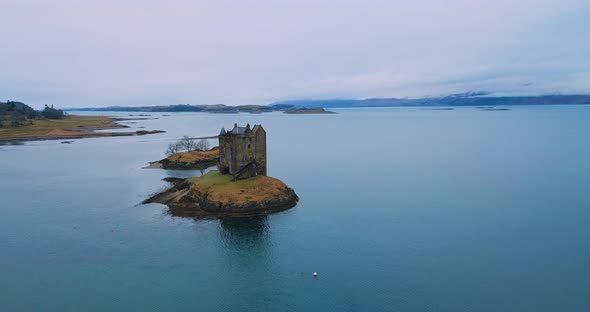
144,132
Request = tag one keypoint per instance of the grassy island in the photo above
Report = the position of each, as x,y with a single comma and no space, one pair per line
220,188
216,195
189,160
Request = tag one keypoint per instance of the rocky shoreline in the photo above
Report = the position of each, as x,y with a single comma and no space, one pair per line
176,165
195,197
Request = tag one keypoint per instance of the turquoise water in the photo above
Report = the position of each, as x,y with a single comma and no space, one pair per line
402,209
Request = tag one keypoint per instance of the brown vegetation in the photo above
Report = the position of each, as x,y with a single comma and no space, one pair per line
188,160
194,156
70,127
219,188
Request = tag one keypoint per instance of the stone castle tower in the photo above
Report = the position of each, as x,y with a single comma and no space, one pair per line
242,151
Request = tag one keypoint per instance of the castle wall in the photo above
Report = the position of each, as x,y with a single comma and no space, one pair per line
225,151
239,151
260,151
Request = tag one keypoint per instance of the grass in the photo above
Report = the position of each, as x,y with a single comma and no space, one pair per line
220,188
69,126
194,156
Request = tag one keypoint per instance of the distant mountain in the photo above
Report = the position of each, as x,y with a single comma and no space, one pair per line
462,99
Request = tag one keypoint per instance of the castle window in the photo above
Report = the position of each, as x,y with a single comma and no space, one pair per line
248,146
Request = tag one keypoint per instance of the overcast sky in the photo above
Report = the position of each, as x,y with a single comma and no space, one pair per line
143,52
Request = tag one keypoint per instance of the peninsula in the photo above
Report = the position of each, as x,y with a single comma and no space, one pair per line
20,122
240,187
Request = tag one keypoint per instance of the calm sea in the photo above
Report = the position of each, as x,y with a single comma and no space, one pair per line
402,209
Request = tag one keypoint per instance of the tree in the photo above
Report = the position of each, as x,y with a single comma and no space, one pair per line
173,148
202,145
52,113
187,144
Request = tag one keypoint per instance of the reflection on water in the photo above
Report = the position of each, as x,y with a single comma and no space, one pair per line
12,143
243,232
246,258
246,249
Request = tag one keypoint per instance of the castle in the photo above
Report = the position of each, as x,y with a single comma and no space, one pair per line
242,151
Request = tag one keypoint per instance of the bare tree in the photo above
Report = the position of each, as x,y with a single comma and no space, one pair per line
202,145
188,144
173,148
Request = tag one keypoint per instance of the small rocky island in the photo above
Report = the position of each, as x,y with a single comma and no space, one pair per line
239,188
189,160
308,110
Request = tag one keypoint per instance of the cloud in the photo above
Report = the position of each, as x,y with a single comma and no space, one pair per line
87,53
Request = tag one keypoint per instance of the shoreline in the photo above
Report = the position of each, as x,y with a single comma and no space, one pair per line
71,127
79,136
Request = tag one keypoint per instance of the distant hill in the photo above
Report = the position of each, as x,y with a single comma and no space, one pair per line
16,114
17,109
463,99
216,108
